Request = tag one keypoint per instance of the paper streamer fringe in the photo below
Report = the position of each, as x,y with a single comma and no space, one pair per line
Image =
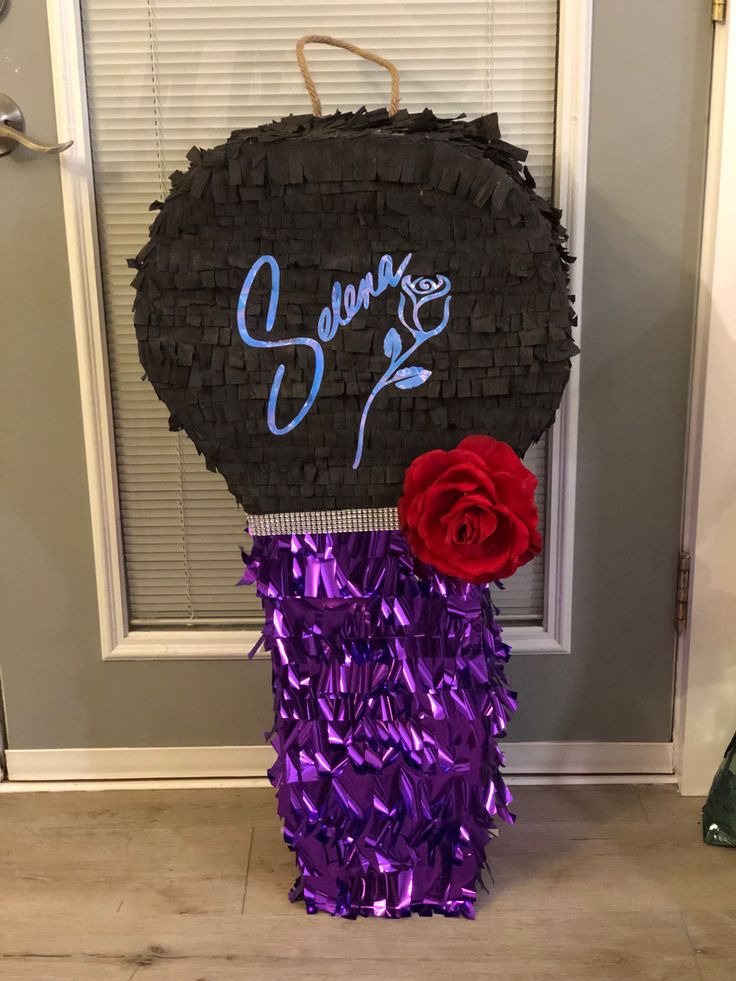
389,697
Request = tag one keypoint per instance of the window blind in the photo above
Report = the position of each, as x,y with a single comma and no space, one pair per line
163,75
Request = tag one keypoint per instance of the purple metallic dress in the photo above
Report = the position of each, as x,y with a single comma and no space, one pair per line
389,698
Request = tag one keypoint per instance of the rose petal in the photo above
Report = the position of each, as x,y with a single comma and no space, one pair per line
496,454
468,476
462,529
436,502
423,471
517,495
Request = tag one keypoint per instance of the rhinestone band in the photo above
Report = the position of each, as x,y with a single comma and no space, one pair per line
322,522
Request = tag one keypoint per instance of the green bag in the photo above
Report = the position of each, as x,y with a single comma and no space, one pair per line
719,812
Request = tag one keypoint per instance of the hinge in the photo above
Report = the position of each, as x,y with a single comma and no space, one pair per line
718,11
683,591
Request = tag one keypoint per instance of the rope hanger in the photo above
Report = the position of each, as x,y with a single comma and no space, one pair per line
337,42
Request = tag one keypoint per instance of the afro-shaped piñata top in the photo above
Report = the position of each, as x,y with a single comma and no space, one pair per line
323,299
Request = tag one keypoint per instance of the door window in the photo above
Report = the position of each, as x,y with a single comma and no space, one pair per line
163,75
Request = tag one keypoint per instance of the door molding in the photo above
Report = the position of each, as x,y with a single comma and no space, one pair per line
705,703
118,642
541,759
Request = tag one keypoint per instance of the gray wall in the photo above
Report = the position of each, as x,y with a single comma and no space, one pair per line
646,157
649,97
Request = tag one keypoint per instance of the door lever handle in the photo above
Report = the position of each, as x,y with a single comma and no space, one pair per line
10,136
12,126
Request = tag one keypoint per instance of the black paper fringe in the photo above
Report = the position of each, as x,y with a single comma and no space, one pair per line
327,197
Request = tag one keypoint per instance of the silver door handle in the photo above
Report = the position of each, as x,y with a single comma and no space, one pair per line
12,125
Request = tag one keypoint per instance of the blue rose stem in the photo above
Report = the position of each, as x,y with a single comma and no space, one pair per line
420,291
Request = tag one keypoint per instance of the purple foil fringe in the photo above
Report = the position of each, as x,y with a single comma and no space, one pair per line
389,696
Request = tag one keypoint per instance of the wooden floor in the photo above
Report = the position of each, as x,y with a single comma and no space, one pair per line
607,883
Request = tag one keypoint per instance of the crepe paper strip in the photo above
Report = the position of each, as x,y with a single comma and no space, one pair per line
389,701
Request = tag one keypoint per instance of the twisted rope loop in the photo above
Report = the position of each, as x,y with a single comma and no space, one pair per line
337,42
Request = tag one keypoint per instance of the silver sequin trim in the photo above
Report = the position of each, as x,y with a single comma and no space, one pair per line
322,522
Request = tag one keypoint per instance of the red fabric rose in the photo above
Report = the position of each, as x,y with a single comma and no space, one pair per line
470,512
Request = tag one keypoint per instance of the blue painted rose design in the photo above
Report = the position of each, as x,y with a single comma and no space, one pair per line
416,292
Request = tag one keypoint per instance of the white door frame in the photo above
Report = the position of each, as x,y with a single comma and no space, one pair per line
705,707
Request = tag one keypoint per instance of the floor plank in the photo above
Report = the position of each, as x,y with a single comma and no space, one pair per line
713,937
592,884
519,945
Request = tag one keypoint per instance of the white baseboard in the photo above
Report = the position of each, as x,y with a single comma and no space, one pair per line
217,763
588,758
251,783
139,763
